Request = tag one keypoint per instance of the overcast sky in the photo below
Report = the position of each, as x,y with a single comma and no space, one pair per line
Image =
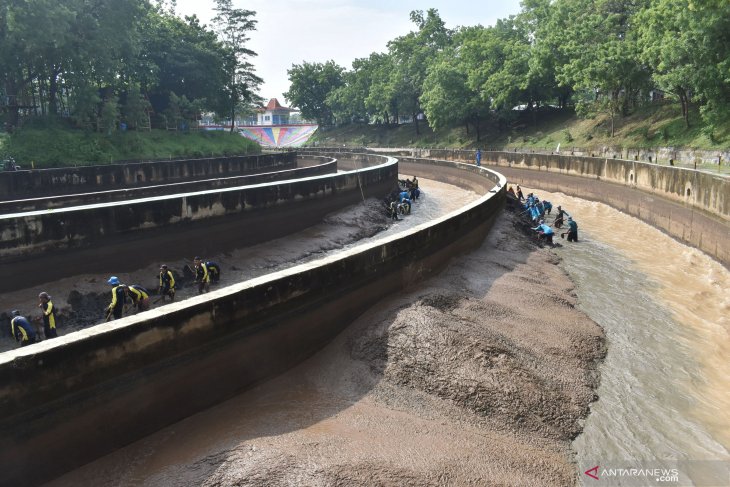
293,31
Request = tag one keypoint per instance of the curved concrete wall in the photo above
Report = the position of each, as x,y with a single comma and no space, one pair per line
41,246
90,392
314,167
87,179
701,190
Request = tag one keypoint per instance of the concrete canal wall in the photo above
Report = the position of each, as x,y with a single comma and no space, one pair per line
88,393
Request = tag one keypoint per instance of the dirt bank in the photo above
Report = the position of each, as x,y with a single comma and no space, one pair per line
480,376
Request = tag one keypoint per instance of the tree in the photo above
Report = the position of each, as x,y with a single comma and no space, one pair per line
599,43
136,108
311,84
242,84
382,99
412,54
447,97
686,45
109,115
348,100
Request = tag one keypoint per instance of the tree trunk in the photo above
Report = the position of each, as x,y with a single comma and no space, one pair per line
233,116
613,127
53,90
415,120
684,99
12,100
476,127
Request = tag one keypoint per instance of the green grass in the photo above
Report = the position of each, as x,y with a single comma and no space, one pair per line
53,145
657,125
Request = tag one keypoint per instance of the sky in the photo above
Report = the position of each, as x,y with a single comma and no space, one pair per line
294,31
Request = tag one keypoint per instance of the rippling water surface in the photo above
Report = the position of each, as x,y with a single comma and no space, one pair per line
665,384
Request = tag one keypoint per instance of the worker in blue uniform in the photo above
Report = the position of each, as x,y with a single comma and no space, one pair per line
21,329
544,232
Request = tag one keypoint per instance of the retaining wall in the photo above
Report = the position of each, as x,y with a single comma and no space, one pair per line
313,167
88,179
41,246
701,190
85,394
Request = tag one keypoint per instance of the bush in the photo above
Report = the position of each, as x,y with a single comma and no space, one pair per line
568,136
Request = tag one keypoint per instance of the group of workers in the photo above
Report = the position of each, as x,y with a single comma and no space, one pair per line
22,329
537,210
123,295
402,197
204,271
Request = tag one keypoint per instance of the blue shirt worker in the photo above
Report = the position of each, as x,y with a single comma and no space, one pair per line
167,283
548,206
572,230
404,198
116,307
21,329
479,157
49,315
534,213
544,232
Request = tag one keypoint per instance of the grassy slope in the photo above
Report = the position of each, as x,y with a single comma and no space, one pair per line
658,125
59,146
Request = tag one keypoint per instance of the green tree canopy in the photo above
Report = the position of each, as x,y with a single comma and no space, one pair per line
311,84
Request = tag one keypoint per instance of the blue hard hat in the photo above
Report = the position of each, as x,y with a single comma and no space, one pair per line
114,280
15,312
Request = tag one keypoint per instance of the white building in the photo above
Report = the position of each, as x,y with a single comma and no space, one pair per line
274,114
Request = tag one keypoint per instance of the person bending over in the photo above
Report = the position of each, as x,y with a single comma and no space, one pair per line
21,329
544,232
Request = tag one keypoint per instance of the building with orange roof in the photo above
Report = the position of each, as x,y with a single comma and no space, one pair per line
274,114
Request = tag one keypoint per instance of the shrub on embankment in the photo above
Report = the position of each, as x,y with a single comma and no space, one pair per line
56,145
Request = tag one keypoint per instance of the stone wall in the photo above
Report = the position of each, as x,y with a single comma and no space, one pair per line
698,189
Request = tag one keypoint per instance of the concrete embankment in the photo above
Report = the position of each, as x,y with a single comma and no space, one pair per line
691,206
87,179
311,166
85,394
121,236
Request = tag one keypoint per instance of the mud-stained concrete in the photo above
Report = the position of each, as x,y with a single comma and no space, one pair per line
80,300
479,376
